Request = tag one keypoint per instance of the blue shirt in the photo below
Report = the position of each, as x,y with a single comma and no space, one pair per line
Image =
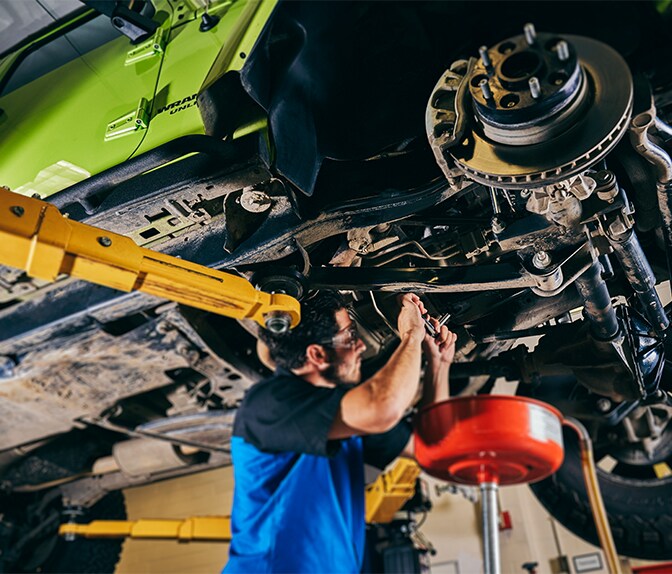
297,512
298,504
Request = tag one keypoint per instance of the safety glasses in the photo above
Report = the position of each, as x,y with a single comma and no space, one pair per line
346,338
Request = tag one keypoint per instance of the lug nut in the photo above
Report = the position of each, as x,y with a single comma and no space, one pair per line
530,33
535,87
485,57
563,50
541,260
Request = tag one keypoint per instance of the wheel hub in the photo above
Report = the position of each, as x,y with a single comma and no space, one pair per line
538,109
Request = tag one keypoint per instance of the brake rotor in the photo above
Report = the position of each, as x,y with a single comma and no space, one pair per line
532,113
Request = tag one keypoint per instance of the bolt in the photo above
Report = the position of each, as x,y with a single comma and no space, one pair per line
190,354
563,50
498,225
277,322
525,193
485,88
603,405
105,241
541,260
530,33
535,87
7,365
255,201
485,57
17,210
163,328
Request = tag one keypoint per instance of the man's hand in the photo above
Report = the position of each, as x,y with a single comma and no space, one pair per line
410,319
440,349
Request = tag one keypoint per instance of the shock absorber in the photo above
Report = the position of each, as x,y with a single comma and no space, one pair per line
630,255
597,304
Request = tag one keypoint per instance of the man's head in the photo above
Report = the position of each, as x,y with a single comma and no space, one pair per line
325,341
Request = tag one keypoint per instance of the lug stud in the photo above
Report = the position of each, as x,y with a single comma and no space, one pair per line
485,88
530,34
485,57
563,50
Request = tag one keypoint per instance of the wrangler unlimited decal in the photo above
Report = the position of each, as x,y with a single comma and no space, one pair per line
179,105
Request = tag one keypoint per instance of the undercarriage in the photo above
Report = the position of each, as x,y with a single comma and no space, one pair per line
533,214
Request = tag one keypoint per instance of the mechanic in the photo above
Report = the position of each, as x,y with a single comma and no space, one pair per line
301,438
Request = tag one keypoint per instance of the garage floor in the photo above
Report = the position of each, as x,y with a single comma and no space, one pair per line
208,493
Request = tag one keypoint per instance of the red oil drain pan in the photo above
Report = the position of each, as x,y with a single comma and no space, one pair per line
489,438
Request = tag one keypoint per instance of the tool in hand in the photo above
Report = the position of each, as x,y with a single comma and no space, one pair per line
430,327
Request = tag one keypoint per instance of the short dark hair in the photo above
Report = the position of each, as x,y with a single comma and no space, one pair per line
318,324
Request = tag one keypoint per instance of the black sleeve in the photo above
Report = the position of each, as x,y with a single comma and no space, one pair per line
287,414
381,449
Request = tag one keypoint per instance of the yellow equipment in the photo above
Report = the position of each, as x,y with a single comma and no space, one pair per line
201,528
384,498
388,493
36,237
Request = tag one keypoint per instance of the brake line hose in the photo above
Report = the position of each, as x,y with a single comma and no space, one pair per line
594,496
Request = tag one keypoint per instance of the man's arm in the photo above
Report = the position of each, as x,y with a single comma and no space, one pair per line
440,353
378,404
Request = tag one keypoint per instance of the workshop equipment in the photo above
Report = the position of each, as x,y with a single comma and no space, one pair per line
486,441
36,237
595,496
384,497
196,528
388,493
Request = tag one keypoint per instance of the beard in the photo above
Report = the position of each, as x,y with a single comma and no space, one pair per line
339,373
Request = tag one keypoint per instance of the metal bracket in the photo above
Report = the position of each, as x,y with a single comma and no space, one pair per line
148,49
129,123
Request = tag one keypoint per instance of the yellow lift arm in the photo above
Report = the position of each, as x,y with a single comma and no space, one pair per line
384,498
36,237
197,528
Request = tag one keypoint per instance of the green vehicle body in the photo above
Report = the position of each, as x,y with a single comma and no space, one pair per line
120,100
